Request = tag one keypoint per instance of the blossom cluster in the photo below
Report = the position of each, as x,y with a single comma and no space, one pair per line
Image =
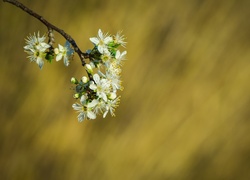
98,92
38,50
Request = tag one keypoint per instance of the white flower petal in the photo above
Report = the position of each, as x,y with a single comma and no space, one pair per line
117,55
59,57
93,103
124,53
77,107
61,48
94,40
27,47
83,100
40,62
96,78
66,61
100,34
45,45
107,40
104,96
93,87
105,114
81,116
101,49
91,115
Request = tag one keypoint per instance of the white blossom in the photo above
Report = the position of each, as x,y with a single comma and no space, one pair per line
101,87
86,110
110,106
115,82
99,92
119,39
62,52
120,56
36,48
101,41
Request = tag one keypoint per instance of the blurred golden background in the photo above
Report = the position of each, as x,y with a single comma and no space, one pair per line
184,111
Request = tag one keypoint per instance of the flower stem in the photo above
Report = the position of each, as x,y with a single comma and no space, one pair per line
82,55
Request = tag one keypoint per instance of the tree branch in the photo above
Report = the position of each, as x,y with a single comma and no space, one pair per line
53,27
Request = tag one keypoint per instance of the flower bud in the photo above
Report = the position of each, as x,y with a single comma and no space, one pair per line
74,80
76,96
56,50
89,68
51,35
84,79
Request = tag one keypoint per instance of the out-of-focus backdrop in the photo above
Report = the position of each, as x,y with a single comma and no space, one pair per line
184,111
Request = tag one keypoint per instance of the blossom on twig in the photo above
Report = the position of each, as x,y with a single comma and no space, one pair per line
102,87
36,48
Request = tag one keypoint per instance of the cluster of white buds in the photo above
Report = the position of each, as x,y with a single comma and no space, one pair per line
98,92
38,50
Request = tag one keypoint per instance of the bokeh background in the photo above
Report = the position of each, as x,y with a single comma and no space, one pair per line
184,111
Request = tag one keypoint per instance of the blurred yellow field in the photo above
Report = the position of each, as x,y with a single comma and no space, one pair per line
184,111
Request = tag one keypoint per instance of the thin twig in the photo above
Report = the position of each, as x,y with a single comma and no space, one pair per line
51,26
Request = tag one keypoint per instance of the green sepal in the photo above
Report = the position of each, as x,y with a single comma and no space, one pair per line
49,56
113,45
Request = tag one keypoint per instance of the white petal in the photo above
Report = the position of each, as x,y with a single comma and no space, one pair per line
46,45
117,55
93,87
59,57
77,107
108,39
83,100
104,96
93,103
105,114
106,52
96,78
66,61
100,34
61,48
120,56
40,62
124,53
101,49
101,74
91,115
94,40
27,47
81,117
105,83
